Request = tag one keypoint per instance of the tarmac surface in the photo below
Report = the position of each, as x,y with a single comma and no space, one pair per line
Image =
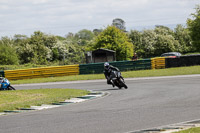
147,103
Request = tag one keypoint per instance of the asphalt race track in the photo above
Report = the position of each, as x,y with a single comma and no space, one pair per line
147,103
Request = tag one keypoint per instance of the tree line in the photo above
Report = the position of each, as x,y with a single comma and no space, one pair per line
41,48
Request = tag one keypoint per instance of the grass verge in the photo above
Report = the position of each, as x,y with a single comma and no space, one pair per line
191,130
129,74
11,100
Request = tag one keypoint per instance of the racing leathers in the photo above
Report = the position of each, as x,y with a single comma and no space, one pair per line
107,73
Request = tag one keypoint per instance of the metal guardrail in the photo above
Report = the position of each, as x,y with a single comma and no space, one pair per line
95,68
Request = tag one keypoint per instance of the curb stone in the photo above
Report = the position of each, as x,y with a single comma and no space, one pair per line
171,128
91,95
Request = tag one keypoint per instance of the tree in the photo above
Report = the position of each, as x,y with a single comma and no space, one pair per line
149,43
165,41
194,28
149,38
164,30
181,34
8,55
42,45
7,41
25,52
144,42
114,39
97,31
84,36
136,38
19,38
23,48
119,23
67,52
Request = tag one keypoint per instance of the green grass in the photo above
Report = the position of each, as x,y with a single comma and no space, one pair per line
130,74
192,53
11,100
191,130
164,72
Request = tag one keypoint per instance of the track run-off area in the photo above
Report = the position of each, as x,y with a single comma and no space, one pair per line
147,103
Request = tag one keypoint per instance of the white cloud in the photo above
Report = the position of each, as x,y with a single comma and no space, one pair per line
63,16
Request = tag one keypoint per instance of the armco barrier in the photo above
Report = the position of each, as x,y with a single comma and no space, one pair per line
42,72
95,68
158,63
92,68
133,65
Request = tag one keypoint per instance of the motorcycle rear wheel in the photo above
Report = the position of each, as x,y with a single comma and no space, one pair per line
123,84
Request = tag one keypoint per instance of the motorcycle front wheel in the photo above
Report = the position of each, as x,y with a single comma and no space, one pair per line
11,88
123,83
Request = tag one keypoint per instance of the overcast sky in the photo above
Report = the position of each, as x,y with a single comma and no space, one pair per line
59,17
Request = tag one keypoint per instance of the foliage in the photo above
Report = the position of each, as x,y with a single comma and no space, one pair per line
181,34
119,23
163,30
165,41
114,39
8,55
190,130
136,38
42,45
149,43
84,36
194,28
42,49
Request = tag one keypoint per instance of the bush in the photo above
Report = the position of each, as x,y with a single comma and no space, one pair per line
8,55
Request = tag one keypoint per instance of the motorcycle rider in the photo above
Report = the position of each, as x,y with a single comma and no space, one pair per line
107,72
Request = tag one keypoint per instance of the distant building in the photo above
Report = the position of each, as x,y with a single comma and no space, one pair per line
100,55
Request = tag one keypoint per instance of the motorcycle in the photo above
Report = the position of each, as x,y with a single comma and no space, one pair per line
118,80
5,84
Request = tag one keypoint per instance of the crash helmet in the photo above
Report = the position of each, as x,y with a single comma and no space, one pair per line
106,65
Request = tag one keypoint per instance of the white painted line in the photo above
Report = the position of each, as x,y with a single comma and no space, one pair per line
75,100
93,95
44,106
2,113
164,77
171,131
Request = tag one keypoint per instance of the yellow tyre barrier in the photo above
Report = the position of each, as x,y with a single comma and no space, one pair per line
158,63
42,72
